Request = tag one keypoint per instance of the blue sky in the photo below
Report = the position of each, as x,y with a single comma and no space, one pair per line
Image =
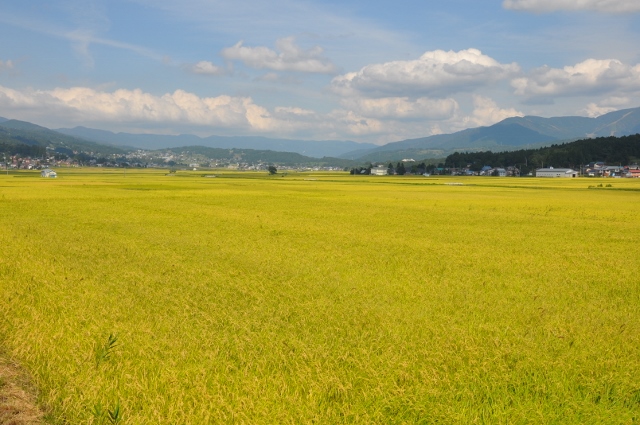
369,71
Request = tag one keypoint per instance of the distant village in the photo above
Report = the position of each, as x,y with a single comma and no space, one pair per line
186,161
143,159
409,166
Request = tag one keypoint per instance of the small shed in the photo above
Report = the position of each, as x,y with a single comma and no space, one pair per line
49,173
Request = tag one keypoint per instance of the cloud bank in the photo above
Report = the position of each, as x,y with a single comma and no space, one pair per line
81,104
373,120
591,77
435,72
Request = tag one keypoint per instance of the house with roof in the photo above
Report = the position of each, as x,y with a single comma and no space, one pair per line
556,172
633,173
486,170
500,172
612,171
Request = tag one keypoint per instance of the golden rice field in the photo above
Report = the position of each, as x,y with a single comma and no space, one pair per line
322,298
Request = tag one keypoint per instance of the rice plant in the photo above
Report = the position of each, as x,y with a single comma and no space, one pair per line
322,298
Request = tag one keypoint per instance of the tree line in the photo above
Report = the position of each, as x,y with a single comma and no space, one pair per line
610,150
22,149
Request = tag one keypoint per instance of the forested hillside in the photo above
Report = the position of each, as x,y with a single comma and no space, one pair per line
610,150
16,135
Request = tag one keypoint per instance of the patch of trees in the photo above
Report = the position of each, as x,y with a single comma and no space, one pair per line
21,149
402,169
610,150
360,170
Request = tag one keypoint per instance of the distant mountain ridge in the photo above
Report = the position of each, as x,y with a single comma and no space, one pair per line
32,139
309,148
507,135
511,133
15,132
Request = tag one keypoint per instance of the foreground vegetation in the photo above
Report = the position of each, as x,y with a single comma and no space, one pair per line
327,298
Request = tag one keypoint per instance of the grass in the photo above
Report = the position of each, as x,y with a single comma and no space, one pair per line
323,298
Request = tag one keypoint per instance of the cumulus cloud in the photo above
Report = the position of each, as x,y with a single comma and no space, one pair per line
594,110
486,112
206,68
403,107
145,110
373,120
289,57
604,106
83,104
607,6
434,72
356,124
590,77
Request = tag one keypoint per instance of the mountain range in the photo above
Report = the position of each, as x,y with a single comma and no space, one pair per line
509,134
14,132
310,148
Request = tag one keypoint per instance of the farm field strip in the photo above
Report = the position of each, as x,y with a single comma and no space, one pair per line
343,299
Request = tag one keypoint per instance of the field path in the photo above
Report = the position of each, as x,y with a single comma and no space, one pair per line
17,397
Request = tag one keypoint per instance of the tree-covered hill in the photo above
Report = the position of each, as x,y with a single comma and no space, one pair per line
610,150
15,132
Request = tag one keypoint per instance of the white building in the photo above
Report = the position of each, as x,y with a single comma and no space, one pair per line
379,171
556,172
48,172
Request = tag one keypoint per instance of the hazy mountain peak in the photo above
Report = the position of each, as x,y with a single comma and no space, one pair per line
508,134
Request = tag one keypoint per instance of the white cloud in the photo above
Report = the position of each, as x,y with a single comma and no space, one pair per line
590,77
486,112
81,104
206,68
135,108
607,6
604,106
254,21
434,72
372,120
594,110
356,124
289,57
403,107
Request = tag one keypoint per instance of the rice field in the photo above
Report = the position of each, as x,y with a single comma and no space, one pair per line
322,298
